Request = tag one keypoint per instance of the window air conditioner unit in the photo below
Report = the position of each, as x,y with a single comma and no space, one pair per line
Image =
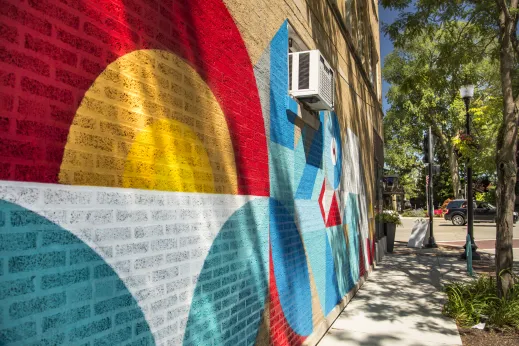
311,79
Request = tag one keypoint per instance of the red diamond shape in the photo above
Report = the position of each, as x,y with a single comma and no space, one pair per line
329,206
334,215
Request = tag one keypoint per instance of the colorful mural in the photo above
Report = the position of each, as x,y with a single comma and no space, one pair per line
156,186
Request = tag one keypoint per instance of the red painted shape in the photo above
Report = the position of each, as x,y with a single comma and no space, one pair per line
57,48
370,247
362,266
321,196
334,215
280,332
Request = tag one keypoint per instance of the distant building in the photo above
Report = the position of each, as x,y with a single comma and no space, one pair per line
394,193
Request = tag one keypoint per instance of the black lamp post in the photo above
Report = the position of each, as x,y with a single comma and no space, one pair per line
467,92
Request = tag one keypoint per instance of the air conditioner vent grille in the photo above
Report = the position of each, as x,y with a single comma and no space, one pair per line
326,82
304,71
290,72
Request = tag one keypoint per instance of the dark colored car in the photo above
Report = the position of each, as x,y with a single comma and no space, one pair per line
483,212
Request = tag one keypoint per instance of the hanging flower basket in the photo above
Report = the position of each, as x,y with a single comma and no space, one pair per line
465,144
468,139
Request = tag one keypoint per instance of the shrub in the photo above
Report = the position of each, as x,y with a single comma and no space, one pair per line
438,213
470,303
414,213
389,216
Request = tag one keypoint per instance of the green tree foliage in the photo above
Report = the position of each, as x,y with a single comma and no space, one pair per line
471,31
401,154
420,96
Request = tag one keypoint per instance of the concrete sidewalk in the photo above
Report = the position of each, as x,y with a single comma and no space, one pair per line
400,304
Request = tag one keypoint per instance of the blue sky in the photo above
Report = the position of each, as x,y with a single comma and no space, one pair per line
386,16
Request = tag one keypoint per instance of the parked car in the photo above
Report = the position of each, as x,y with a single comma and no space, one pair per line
483,212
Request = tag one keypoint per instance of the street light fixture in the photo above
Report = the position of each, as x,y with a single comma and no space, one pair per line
467,93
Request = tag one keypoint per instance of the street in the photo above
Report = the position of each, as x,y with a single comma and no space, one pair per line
448,234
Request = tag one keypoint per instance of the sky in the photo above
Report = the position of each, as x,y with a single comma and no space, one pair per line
387,17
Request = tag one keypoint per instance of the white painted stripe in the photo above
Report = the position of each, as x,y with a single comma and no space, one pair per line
203,214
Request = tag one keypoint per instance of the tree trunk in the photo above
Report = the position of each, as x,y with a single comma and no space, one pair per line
455,172
454,167
506,155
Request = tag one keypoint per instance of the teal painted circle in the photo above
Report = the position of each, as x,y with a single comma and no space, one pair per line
290,269
57,290
231,290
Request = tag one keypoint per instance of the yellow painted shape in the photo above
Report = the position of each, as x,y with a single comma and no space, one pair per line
147,117
173,165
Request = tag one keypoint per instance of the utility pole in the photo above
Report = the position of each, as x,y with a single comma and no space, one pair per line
431,243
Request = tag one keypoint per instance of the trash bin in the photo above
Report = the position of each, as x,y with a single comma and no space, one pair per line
390,229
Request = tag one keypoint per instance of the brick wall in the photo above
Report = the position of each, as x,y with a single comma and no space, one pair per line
80,256
156,188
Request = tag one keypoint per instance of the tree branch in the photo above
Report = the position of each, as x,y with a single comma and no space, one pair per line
504,7
463,28
488,44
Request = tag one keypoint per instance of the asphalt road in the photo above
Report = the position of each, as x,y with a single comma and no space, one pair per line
445,232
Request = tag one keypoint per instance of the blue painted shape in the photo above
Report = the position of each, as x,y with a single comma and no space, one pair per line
307,182
313,157
319,180
291,105
340,258
281,171
314,154
281,128
45,285
351,217
232,287
315,244
309,215
290,268
313,232
299,164
332,134
333,297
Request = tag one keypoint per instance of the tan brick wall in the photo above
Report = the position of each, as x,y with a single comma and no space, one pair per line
313,20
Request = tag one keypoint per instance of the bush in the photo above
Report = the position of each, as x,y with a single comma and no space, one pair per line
489,196
414,213
438,212
470,303
388,216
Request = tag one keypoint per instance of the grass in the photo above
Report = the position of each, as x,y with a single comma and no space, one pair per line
470,303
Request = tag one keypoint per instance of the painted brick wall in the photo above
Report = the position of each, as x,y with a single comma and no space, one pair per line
80,258
155,187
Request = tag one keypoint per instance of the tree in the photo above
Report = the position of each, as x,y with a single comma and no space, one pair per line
419,97
401,160
488,21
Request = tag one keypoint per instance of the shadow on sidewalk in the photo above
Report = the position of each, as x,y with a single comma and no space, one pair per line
401,303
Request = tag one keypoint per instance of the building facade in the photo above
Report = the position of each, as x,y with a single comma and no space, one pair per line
158,183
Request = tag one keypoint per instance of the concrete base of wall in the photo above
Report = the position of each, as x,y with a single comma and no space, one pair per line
381,249
320,331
